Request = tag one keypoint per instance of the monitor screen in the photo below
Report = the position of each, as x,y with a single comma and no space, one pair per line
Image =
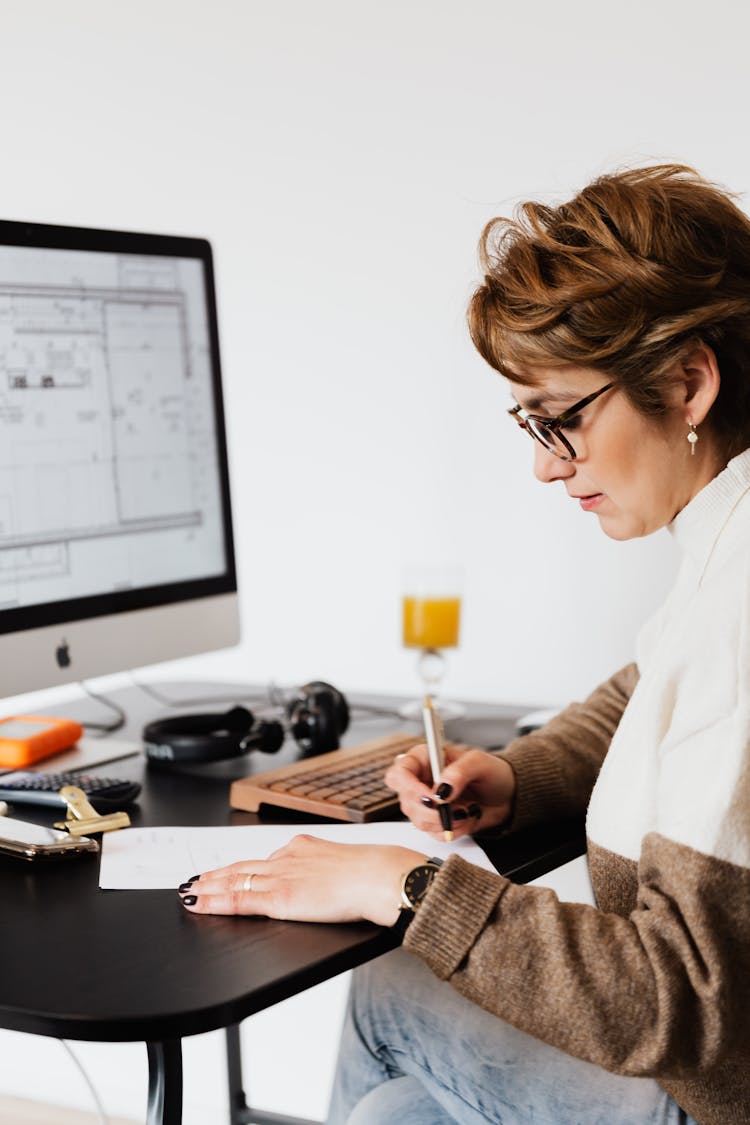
116,544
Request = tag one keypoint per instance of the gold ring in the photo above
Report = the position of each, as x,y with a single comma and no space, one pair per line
247,883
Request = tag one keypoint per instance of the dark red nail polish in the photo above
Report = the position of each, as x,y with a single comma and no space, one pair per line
475,810
189,900
184,888
443,790
460,814
428,801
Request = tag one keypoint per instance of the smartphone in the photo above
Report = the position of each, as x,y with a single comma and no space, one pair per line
23,840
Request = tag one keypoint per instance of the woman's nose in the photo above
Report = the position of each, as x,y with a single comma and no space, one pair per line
548,467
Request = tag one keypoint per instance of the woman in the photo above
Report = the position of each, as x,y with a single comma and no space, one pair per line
622,322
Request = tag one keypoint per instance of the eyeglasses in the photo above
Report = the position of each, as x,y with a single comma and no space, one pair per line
547,431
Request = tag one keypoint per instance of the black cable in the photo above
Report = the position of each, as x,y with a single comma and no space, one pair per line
104,728
372,709
103,1118
179,704
273,697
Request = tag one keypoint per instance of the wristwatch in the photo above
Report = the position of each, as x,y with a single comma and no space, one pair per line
414,887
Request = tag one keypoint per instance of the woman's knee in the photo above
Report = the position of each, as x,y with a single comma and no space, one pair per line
382,988
404,1100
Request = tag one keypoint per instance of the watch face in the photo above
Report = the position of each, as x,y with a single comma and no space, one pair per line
418,882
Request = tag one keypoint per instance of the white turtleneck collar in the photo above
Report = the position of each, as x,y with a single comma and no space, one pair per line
698,526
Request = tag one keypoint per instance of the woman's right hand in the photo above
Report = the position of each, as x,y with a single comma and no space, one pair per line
481,789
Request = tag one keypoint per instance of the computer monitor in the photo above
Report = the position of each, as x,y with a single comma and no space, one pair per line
116,547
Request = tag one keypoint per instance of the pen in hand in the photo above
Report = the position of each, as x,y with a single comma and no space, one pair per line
433,728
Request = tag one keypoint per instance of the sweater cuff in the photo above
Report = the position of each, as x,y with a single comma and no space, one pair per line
453,914
537,792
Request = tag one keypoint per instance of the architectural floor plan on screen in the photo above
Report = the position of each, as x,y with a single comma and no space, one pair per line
108,461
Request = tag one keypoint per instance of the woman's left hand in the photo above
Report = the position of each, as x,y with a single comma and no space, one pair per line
308,880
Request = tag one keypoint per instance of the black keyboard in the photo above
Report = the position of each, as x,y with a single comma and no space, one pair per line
104,793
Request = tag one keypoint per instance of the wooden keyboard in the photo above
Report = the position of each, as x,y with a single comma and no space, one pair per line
343,784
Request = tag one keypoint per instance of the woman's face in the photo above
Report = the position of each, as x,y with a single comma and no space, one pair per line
635,473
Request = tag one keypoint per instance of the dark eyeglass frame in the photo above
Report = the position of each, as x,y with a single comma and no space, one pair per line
529,422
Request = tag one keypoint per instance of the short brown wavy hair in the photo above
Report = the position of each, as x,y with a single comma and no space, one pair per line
627,277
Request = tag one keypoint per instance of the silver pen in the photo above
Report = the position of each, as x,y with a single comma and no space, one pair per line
435,735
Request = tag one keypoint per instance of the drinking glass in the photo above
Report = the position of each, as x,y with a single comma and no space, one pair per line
431,622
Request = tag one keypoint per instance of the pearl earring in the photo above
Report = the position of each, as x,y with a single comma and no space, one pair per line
692,438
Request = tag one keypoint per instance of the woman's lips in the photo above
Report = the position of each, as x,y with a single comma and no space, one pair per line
589,502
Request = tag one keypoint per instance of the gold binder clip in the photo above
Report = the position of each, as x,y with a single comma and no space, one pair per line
83,820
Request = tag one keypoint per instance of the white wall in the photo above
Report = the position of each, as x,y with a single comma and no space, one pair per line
343,157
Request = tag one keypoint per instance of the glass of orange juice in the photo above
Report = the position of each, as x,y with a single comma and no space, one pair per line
431,623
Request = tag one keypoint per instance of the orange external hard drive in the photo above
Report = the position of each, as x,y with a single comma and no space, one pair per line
28,738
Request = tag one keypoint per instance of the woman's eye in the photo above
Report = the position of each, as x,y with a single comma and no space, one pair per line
572,423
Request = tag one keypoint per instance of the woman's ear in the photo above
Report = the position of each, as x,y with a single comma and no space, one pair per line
699,383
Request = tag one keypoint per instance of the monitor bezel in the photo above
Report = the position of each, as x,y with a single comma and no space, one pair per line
91,239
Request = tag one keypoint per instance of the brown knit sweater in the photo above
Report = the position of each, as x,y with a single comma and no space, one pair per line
655,980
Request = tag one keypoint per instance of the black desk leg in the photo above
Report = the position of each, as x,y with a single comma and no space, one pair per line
240,1112
164,1082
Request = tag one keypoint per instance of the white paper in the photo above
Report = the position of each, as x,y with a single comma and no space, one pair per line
161,858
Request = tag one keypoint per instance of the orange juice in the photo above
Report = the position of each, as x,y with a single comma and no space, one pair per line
431,622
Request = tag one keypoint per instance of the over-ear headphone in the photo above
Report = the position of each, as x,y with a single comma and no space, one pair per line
318,715
210,738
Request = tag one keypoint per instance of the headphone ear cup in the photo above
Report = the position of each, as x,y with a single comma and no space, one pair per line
305,725
267,736
318,715
337,699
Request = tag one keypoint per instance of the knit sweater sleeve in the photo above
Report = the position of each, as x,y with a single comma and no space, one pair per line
657,993
556,767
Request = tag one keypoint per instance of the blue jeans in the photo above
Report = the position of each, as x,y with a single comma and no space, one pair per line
417,1052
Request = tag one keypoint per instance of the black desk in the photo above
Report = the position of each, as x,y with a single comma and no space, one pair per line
139,967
